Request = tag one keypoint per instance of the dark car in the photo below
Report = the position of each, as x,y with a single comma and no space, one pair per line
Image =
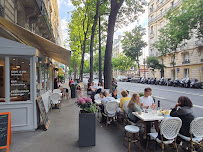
135,80
128,79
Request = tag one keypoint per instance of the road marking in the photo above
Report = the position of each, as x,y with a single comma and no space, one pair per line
198,106
196,94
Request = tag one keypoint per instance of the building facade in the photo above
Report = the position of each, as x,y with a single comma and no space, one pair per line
29,52
188,58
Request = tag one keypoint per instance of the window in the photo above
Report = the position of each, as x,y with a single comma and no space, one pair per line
152,8
152,29
172,4
161,12
19,78
186,57
173,74
2,79
186,73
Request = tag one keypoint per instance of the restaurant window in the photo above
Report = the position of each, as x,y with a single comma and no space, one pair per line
2,79
19,78
186,73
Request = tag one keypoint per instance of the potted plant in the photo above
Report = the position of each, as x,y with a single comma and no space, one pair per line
73,89
87,122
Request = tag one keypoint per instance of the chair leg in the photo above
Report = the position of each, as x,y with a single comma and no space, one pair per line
129,143
107,119
139,140
162,146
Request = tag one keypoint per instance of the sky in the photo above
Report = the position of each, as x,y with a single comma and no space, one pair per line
66,6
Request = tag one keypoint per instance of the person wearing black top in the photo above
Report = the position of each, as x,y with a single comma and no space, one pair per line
183,110
55,83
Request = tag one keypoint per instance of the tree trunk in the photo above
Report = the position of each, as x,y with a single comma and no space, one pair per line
115,6
174,66
74,71
138,65
100,57
162,69
82,61
92,40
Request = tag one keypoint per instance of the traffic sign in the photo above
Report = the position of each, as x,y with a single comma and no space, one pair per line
178,70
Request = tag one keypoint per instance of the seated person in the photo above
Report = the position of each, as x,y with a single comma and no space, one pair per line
114,94
128,93
79,92
147,100
134,106
125,98
94,87
89,88
183,110
106,98
101,94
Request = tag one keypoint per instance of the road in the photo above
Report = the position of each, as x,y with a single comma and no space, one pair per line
168,95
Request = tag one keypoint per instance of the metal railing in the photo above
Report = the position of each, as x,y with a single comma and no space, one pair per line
186,61
164,12
199,43
44,13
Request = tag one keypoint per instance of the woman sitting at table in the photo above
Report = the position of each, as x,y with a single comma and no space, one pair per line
125,98
183,110
114,94
134,106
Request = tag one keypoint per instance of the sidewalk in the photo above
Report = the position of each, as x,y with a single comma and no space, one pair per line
62,135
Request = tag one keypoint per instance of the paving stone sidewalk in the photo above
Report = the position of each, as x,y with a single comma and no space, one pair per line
62,135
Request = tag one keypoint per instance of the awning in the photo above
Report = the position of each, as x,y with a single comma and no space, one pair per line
46,47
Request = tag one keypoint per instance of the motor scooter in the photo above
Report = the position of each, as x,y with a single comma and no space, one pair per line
187,82
182,82
176,82
162,81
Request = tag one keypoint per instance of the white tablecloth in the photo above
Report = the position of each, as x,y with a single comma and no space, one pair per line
99,101
148,116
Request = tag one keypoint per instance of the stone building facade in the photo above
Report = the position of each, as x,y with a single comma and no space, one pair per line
188,59
38,16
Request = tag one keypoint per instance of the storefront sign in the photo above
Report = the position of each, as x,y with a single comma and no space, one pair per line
43,112
5,130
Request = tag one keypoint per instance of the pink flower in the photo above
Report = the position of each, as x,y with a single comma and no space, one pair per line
82,102
89,100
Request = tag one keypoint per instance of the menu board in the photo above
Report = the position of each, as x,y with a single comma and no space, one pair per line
43,112
5,130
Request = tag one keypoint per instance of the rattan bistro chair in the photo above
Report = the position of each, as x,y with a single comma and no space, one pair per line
169,129
110,111
55,100
196,129
59,92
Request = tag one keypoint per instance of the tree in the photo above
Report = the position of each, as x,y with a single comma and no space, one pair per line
122,63
153,63
123,14
86,66
133,44
97,62
92,39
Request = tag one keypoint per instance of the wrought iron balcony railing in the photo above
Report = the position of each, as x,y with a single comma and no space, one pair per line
186,61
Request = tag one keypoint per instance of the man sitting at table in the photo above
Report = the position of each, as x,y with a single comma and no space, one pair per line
104,101
147,100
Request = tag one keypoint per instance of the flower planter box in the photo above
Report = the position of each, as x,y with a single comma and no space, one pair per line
87,129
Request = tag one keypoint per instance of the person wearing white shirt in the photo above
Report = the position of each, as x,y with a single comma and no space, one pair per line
147,100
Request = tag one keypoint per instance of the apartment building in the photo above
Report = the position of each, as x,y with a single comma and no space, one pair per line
188,59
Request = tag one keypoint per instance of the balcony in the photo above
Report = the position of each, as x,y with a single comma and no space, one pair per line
171,64
201,60
199,43
186,61
164,12
44,13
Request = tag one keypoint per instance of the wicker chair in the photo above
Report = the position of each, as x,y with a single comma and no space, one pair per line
55,100
196,129
110,111
169,129
59,92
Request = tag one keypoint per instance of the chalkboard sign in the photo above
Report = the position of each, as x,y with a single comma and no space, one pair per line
5,130
43,112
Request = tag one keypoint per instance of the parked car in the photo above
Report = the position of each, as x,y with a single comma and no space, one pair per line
135,80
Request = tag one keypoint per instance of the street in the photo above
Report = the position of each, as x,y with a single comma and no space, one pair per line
167,95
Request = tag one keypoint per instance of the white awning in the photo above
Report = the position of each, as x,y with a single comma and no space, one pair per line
46,47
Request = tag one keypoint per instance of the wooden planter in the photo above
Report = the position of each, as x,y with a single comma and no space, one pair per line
87,129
